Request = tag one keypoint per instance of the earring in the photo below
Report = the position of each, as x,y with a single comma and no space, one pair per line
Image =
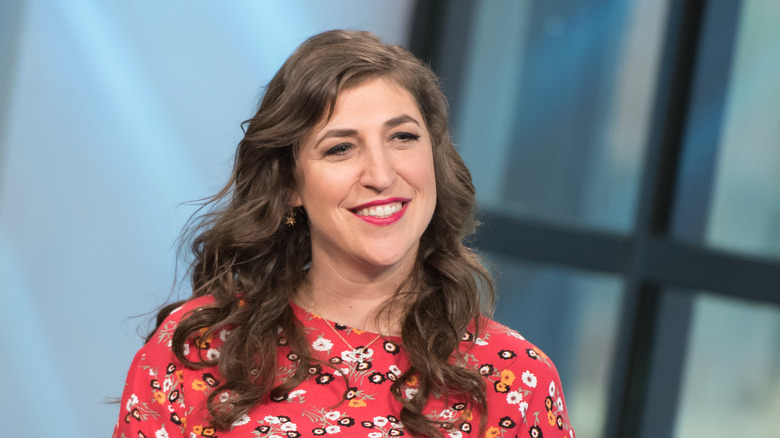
289,220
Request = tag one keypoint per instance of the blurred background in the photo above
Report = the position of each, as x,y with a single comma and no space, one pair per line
626,155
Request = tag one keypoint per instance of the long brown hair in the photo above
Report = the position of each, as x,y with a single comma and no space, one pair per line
253,265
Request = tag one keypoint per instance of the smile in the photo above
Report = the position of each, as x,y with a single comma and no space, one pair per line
381,211
384,212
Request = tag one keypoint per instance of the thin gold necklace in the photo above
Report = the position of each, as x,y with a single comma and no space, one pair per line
359,354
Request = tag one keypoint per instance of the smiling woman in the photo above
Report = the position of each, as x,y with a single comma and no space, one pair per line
348,203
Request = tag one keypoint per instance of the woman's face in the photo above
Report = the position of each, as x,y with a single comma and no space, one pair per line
366,179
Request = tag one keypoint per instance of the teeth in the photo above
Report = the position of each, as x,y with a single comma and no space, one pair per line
381,210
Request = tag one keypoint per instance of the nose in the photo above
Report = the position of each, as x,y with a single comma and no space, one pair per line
378,168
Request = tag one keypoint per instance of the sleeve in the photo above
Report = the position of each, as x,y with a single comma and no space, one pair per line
545,414
152,403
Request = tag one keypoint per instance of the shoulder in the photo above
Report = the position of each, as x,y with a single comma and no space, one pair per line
500,350
163,335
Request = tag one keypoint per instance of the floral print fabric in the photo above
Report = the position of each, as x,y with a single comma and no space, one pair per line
350,398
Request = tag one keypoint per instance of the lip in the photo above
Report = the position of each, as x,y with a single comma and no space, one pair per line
382,221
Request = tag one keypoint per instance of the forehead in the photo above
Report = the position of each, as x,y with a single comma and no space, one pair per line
374,97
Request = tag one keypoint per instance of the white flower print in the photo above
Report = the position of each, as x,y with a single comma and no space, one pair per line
212,354
395,370
296,393
223,397
167,383
523,408
559,403
132,401
241,421
447,414
552,389
333,429
514,397
529,379
481,342
517,335
322,344
357,355
186,349
375,435
270,419
333,415
223,334
380,421
410,392
455,434
289,427
161,433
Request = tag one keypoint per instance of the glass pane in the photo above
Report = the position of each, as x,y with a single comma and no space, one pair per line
731,382
745,213
555,105
573,317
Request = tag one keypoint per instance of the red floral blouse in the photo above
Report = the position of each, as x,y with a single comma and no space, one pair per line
165,399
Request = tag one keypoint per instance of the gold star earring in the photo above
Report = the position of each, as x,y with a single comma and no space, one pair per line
289,220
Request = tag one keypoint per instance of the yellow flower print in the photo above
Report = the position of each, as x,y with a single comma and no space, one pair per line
412,380
357,331
357,403
199,385
209,431
197,429
507,377
492,432
551,418
467,415
159,397
501,387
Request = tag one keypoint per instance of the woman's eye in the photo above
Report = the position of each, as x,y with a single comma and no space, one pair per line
405,136
339,149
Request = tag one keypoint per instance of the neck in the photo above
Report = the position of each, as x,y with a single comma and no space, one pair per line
354,300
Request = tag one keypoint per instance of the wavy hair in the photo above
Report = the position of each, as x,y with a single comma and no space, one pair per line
253,265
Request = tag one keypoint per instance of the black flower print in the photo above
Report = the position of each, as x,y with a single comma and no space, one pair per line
391,376
155,384
293,434
136,413
376,377
141,434
315,369
559,422
506,354
535,432
465,427
467,336
282,341
532,353
346,421
173,396
324,378
340,326
171,368
395,432
278,397
318,431
486,369
292,357
548,403
283,418
263,429
210,380
362,366
459,406
501,387
392,419
367,424
506,423
390,347
175,418
335,360
350,393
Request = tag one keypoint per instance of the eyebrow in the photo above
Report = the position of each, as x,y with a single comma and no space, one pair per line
392,123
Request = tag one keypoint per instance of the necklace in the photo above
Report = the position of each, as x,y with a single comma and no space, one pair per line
359,354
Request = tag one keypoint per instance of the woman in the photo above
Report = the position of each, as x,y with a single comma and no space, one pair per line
348,203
